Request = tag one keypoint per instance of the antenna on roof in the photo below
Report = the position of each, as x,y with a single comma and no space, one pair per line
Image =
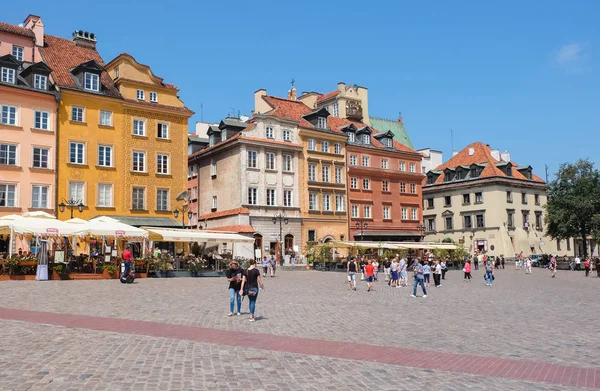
546,173
201,112
452,139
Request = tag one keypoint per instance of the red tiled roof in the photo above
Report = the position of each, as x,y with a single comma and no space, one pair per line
13,29
202,151
240,229
482,154
175,108
62,55
225,213
328,95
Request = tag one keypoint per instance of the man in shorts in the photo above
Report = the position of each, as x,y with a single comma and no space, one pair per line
369,275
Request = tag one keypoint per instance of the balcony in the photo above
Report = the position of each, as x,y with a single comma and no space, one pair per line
354,113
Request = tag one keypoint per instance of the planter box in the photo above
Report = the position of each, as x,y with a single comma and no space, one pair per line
110,276
55,276
141,275
211,274
29,263
18,278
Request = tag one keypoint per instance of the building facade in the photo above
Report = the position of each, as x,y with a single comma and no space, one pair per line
488,203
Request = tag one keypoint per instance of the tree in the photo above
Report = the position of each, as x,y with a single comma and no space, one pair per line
573,207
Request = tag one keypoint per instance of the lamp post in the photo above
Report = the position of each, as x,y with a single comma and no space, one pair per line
71,204
362,225
421,228
283,219
182,210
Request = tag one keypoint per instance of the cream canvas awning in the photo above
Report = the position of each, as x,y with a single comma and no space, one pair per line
395,245
190,235
106,226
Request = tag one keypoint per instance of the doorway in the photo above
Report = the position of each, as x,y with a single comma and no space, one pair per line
289,243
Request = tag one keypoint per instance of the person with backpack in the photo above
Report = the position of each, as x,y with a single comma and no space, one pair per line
387,265
351,268
251,281
489,273
234,276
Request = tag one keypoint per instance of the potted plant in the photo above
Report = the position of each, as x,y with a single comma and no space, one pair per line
60,272
110,271
164,264
193,266
13,264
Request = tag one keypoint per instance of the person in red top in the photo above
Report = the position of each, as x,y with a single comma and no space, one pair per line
369,274
586,265
127,255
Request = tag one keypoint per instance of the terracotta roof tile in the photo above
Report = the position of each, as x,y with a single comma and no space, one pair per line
150,104
62,55
328,95
288,109
202,151
14,29
224,213
239,229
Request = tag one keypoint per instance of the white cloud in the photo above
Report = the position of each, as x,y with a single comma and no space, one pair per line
570,57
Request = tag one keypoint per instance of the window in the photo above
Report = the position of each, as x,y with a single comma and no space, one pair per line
335,109
337,149
366,184
312,144
365,161
163,131
355,211
510,219
385,185
447,201
351,137
105,195
40,120
430,203
413,214
77,191
509,198
384,164
449,224
313,203
252,196
340,205
8,154
524,198
386,213
223,135
17,52
270,161
402,166
431,224
116,72
162,164
475,172
467,222
8,197
140,94
271,197
287,198
413,188
40,82
536,198
312,172
480,221
479,198
39,197
211,140
139,127
353,160
539,225
138,198
105,118
76,153
153,97
338,175
525,220
322,122
77,114
312,235
269,132
367,139
568,244
213,169
92,82
287,163
388,142
162,200
40,157
139,162
105,156
411,167
327,202
325,146
402,187
9,115
287,135
354,183
8,75
325,173
367,211
252,159
466,199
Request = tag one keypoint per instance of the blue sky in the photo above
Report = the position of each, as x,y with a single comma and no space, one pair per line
519,75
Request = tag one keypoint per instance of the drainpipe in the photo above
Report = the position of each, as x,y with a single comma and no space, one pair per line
58,98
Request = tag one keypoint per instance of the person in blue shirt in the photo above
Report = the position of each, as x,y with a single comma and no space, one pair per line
426,273
418,268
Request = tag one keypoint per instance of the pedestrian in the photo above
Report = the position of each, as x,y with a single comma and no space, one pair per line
272,266
577,263
586,266
444,269
351,268
418,269
476,262
467,270
502,261
489,273
376,266
426,273
387,269
553,265
265,265
528,265
369,275
394,276
437,273
362,265
234,276
251,281
403,272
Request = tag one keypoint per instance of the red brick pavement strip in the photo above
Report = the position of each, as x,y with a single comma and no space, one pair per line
453,362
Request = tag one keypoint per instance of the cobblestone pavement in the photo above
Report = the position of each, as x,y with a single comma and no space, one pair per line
523,317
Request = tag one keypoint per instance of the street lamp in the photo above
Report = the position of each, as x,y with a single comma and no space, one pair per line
283,219
184,208
421,228
362,225
71,204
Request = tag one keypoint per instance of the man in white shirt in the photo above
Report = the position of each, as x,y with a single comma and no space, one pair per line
577,263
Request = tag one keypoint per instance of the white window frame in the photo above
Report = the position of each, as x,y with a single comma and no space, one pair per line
340,203
135,158
353,160
288,198
403,187
355,211
387,212
351,137
367,211
9,75
339,175
76,185
252,196
327,203
163,165
269,132
365,161
213,169
412,167
78,114
15,195
414,214
102,149
252,160
384,164
413,188
101,195
40,82
312,144
337,148
271,196
40,204
288,165
214,202
139,127
322,122
135,200
402,166
404,213
9,115
367,139
271,161
102,118
140,94
287,135
313,201
74,159
366,184
40,149
19,52
91,82
153,97
335,109
8,148
39,123
325,146
312,172
354,183
385,185
326,173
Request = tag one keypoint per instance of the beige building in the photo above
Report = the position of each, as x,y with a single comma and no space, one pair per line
347,101
491,205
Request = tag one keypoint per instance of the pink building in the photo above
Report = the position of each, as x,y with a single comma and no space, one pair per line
28,110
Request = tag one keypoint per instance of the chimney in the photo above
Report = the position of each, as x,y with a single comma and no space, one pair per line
495,154
471,151
35,24
341,86
505,156
260,106
84,39
292,94
454,153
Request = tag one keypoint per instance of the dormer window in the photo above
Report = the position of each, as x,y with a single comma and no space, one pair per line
153,97
211,140
8,75
388,142
40,82
224,135
322,122
140,94
475,172
367,139
17,52
92,82
351,137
